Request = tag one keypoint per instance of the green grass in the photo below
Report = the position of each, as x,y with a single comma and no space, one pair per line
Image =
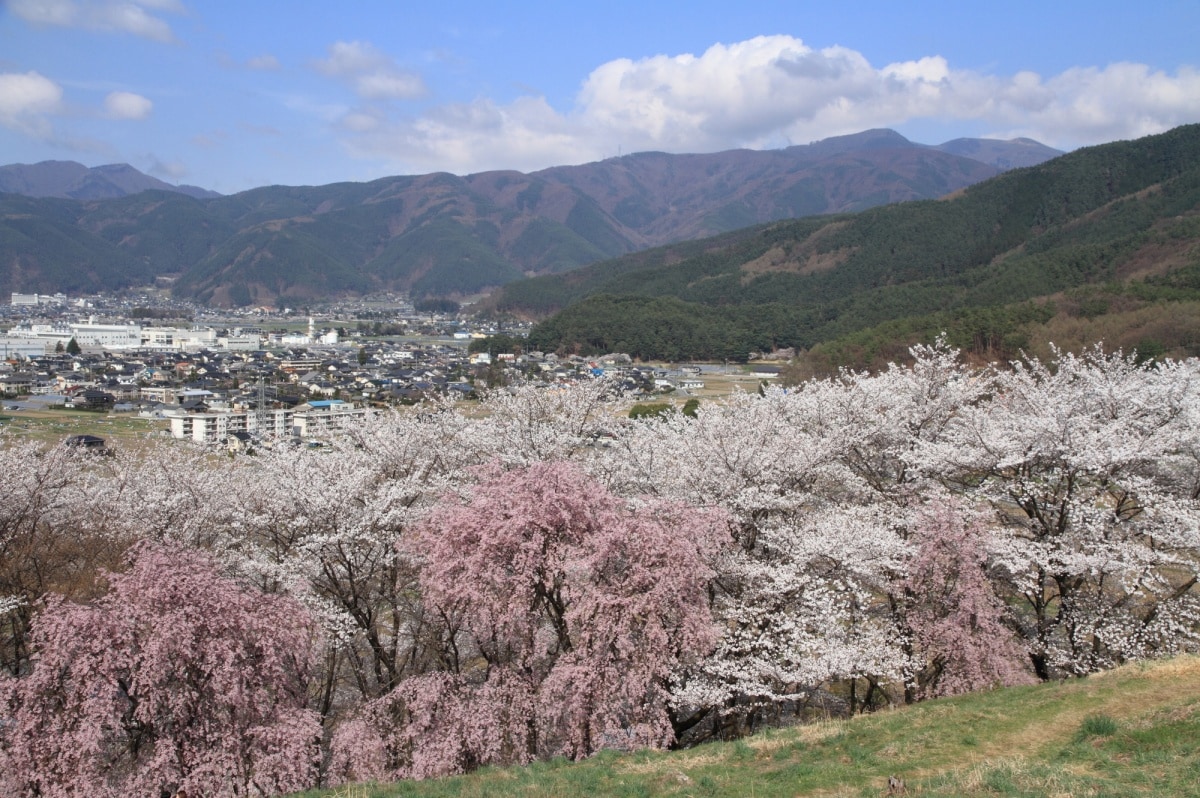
55,426
1134,731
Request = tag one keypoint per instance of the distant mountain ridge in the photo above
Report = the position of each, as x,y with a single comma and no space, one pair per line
1004,155
71,180
444,235
1116,226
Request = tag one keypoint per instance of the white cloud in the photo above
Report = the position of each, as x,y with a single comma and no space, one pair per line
527,134
764,92
127,105
137,17
371,74
26,100
1091,105
267,63
166,170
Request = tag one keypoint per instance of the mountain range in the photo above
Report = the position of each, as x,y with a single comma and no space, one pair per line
1094,234
440,234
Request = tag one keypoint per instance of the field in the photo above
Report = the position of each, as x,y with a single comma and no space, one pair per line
54,426
720,385
1134,731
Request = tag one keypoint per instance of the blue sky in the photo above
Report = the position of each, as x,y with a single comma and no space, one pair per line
233,95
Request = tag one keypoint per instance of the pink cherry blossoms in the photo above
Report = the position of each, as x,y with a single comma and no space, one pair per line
567,612
956,619
177,678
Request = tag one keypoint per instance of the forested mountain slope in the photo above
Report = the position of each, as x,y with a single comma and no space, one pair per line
444,235
1124,215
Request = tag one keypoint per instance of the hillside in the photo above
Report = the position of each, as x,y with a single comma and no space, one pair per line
1132,731
443,235
1125,216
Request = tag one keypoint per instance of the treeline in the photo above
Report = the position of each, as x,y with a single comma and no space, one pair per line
647,328
158,313
498,344
436,305
1156,317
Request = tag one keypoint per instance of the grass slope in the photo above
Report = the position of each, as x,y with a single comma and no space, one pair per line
1130,732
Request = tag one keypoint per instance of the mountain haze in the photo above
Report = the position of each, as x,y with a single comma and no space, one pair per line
662,198
71,180
1004,155
445,235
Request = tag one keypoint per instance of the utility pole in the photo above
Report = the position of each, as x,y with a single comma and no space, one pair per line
260,410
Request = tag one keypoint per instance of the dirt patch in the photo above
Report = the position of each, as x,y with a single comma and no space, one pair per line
1158,258
804,257
779,259
825,261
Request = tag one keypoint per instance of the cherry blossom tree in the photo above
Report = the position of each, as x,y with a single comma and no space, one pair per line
816,482
954,616
573,611
886,420
48,542
324,526
176,679
1087,463
803,612
541,423
166,492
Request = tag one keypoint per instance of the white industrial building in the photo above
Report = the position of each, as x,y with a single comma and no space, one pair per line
178,339
37,339
28,300
107,336
24,347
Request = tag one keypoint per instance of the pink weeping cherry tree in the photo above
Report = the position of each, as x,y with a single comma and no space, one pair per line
956,620
176,679
567,612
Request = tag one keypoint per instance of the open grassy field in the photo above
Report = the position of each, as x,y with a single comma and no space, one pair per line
720,385
54,426
1134,731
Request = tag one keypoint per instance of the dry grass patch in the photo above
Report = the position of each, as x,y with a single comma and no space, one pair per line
807,734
